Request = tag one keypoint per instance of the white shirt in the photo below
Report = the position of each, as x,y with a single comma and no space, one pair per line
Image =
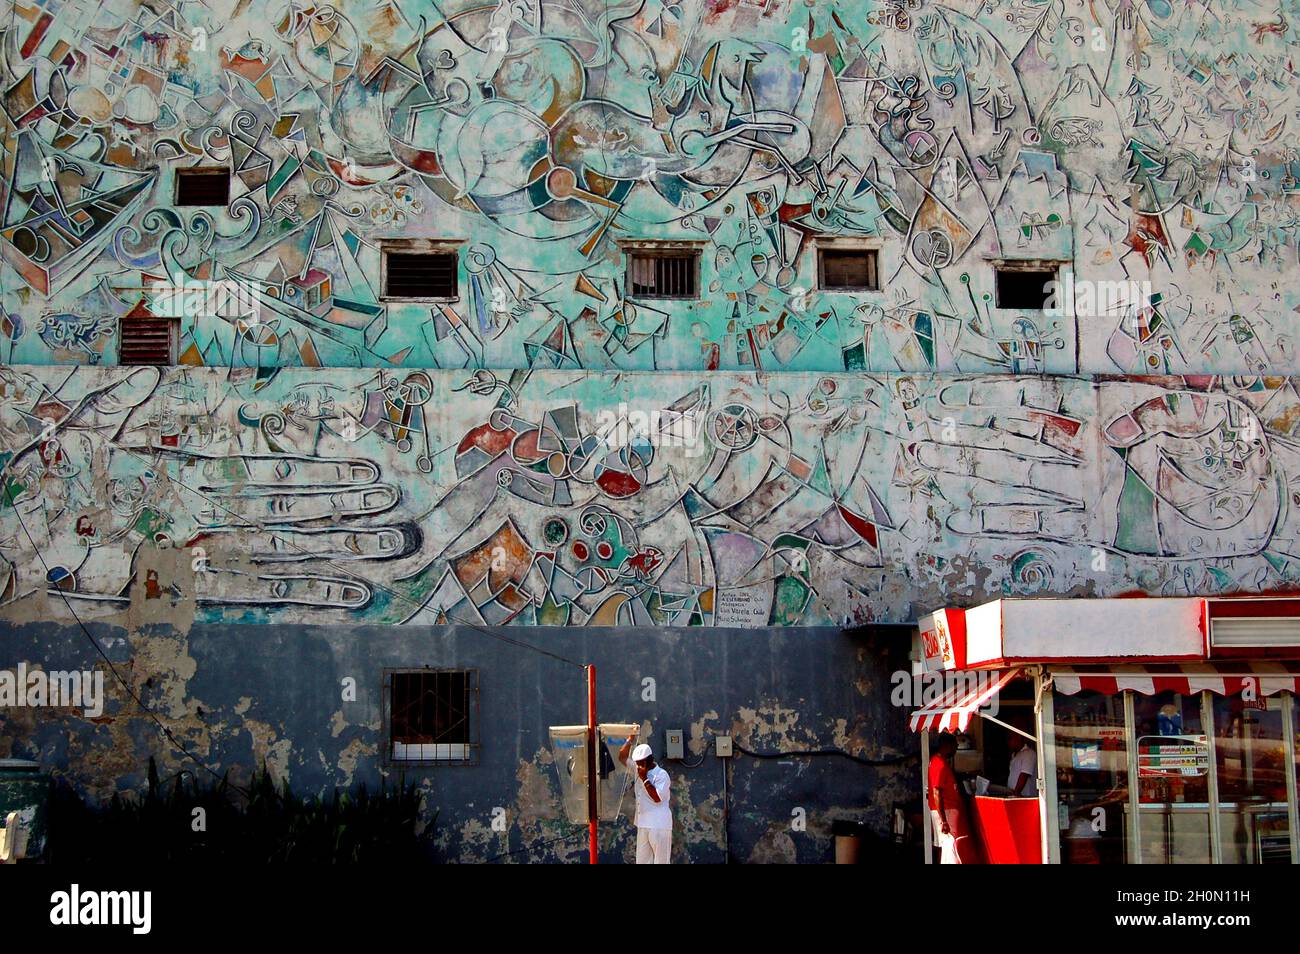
649,813
1024,762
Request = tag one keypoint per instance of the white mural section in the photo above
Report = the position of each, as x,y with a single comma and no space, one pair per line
579,498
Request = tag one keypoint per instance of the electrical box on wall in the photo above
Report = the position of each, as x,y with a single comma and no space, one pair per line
722,746
673,744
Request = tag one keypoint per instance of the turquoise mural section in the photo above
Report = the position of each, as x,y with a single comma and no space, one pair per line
1148,146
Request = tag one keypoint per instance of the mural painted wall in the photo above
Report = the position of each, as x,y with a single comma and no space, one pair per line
550,449
1148,142
640,499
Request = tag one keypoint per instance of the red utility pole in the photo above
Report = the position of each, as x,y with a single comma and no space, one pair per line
592,765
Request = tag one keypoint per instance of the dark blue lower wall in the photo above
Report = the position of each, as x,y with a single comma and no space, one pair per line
240,696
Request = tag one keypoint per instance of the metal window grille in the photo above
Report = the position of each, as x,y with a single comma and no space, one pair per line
420,275
432,715
202,186
654,274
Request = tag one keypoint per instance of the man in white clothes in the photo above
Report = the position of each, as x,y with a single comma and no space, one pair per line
654,817
1022,778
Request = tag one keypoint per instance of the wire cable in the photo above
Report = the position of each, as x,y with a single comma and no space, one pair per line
535,847
893,760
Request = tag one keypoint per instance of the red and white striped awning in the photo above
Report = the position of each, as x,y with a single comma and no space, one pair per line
957,704
1263,679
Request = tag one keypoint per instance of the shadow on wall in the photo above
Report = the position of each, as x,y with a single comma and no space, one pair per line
190,819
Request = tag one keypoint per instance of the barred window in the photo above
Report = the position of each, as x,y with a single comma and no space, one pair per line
655,273
432,715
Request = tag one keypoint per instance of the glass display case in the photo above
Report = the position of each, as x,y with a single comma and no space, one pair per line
1212,777
1092,777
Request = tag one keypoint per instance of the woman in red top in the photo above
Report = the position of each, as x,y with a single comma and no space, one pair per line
952,829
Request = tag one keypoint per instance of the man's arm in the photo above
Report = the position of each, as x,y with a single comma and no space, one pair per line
1021,781
626,750
651,789
942,809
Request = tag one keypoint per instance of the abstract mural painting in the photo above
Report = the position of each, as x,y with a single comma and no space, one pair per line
547,498
1101,136
551,445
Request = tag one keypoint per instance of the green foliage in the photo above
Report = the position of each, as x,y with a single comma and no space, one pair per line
260,825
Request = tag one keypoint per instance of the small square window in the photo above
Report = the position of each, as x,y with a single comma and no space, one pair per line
662,273
848,269
420,275
432,715
1029,289
203,186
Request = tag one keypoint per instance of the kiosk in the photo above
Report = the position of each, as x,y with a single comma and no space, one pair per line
1166,729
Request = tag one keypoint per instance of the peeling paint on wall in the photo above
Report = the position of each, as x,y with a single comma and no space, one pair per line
257,696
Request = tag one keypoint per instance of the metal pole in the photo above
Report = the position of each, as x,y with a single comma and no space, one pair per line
1134,779
1292,810
592,765
927,837
1216,822
1049,807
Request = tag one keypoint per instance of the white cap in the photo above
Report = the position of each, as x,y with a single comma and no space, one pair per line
642,751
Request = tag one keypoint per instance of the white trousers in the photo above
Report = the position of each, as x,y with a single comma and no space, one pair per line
654,846
947,843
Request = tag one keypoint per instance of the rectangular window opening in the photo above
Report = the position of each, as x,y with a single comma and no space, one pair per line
420,275
849,269
662,274
433,715
1029,289
203,186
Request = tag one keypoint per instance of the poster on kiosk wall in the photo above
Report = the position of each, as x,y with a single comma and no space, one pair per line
943,640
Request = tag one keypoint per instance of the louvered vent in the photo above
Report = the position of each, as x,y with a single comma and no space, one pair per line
145,339
420,274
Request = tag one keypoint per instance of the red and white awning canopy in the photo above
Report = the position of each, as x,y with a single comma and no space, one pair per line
953,710
1263,679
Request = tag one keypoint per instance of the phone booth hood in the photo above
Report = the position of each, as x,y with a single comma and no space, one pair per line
569,750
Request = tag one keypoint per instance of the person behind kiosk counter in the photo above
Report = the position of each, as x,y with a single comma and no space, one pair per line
1022,778
947,809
